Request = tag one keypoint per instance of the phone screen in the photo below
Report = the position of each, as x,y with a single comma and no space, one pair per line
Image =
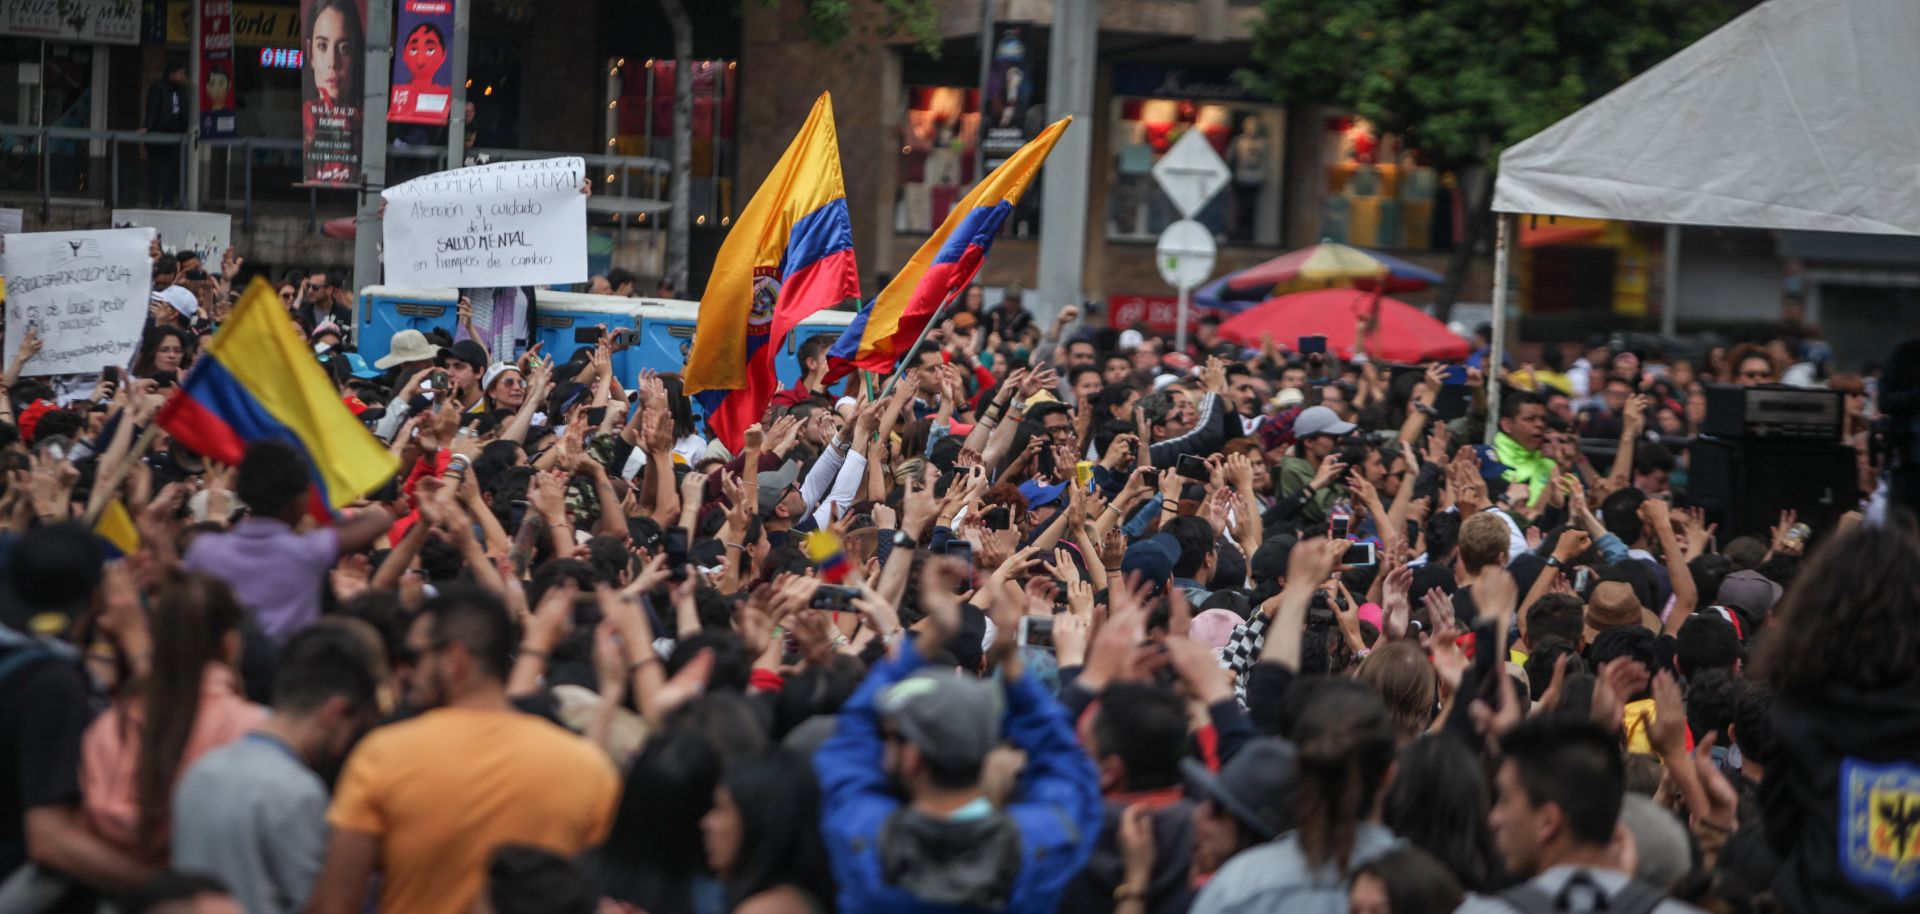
676,550
1312,344
1337,526
833,598
1036,631
962,550
1192,467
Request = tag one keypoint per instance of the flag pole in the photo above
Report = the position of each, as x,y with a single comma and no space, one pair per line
118,475
914,350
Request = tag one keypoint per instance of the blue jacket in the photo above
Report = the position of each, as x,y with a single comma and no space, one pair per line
1057,811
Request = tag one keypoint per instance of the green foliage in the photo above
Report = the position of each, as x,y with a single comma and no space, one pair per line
1461,79
829,22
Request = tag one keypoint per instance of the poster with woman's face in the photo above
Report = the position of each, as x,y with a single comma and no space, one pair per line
333,37
422,79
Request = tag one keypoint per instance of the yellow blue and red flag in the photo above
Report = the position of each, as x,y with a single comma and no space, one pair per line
258,381
119,536
943,267
828,555
789,255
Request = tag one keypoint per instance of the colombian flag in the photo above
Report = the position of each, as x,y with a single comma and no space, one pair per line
258,381
943,267
789,255
119,537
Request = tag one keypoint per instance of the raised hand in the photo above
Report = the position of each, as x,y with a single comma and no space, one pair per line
1395,609
1214,376
1668,734
1784,542
1722,800
1495,594
552,620
547,496
1633,419
1330,469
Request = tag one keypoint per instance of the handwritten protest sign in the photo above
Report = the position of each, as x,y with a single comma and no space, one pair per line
501,224
206,234
86,293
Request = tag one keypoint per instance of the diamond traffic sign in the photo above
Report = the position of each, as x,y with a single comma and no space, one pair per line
1191,173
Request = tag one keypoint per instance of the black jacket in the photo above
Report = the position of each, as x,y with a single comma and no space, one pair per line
166,108
1842,801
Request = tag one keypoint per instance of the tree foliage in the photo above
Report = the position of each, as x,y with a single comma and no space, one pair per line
1460,79
830,21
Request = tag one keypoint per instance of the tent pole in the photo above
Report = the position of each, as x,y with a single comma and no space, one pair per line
1496,357
1670,278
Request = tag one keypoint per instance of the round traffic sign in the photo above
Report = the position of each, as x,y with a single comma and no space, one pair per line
1185,254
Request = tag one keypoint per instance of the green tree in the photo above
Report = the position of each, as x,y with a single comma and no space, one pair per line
1460,80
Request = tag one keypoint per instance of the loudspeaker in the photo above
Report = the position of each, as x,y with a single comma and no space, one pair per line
1746,484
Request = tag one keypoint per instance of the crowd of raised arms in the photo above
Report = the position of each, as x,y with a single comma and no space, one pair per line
1051,619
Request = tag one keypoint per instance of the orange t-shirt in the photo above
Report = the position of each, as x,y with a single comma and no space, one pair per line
441,791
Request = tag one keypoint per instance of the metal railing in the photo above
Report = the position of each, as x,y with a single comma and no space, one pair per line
64,168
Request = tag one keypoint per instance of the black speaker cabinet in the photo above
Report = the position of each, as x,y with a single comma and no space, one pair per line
1746,484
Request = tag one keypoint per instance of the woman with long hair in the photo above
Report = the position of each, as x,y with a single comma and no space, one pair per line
762,836
1404,881
188,703
1439,803
652,858
1839,652
1345,746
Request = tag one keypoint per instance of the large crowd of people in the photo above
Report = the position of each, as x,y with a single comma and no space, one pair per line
1052,619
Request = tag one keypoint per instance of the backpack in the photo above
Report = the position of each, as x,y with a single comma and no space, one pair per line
1636,898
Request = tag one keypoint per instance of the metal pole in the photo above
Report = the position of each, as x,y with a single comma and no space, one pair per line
373,147
190,198
986,69
457,113
246,177
1670,270
1180,321
913,352
1503,230
1071,57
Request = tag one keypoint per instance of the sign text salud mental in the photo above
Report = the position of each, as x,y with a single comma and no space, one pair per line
500,224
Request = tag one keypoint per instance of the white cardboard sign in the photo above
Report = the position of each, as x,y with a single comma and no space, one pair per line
501,224
207,234
86,293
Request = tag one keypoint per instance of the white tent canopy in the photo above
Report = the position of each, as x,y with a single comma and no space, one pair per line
1800,114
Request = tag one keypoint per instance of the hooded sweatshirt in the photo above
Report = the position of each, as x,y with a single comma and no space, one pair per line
1842,800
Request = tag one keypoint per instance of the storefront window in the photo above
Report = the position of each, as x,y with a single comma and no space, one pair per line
939,141
1378,193
1152,109
644,126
